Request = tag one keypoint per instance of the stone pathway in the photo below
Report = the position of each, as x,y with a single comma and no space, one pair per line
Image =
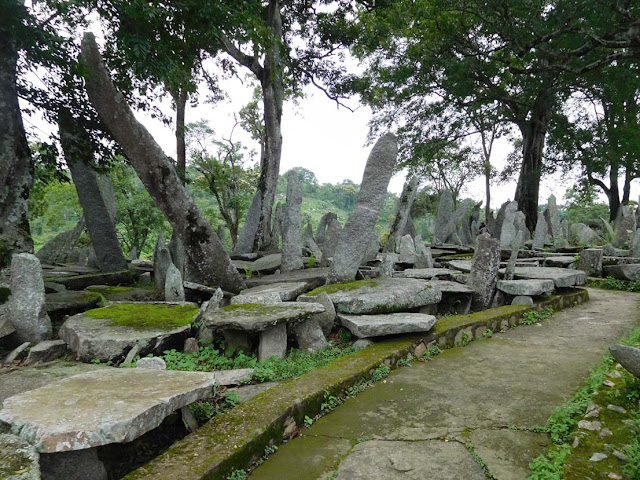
425,421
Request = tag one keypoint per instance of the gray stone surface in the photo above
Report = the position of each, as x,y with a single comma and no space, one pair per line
321,231
268,263
292,234
248,232
277,226
258,317
46,351
18,459
364,326
233,377
27,304
70,302
484,271
161,264
522,300
403,214
553,220
623,272
387,264
362,343
258,297
313,277
444,228
60,247
16,352
152,363
562,277
385,295
178,255
628,357
625,226
583,235
311,245
190,346
334,230
288,291
562,261
6,328
508,231
463,266
407,250
173,288
635,245
423,253
426,273
110,405
91,338
309,335
591,261
326,318
516,244
540,235
273,342
526,287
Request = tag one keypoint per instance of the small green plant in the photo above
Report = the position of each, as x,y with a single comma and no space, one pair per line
238,475
332,476
381,372
532,316
330,403
632,451
488,333
345,336
478,459
549,466
404,362
308,421
611,283
203,411
431,352
366,438
465,340
97,361
249,272
312,261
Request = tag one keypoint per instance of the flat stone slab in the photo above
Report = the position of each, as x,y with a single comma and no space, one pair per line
447,286
365,326
313,277
381,295
560,261
623,272
425,273
562,277
233,377
288,291
152,327
267,263
110,405
526,287
70,302
80,282
463,265
253,317
123,293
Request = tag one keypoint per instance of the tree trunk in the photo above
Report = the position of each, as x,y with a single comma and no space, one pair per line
16,165
614,191
78,153
157,173
534,131
181,149
272,96
626,191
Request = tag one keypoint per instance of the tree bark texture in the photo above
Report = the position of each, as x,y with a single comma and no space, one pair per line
180,97
157,173
98,215
16,165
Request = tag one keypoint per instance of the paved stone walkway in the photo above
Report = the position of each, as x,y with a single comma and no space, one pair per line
424,421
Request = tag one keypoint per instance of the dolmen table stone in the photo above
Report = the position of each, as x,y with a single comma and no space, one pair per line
97,408
313,277
380,295
462,265
562,277
623,272
287,291
526,287
365,326
562,261
268,320
426,273
109,333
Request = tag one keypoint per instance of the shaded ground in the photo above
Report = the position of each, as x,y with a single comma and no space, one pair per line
431,419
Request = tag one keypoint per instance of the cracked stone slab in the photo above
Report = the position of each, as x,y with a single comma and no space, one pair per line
425,273
562,277
365,326
252,317
385,460
105,406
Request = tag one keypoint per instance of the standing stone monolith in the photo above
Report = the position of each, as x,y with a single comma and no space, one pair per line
625,227
541,233
591,261
278,226
496,225
357,232
292,232
442,229
27,308
405,202
310,243
515,248
334,228
509,230
423,254
248,232
321,231
635,245
178,255
484,271
555,224
161,264
407,250
173,286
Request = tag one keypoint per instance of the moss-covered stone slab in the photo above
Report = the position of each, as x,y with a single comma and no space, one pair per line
18,459
380,295
119,293
526,287
70,303
80,282
562,277
98,408
365,326
109,333
254,317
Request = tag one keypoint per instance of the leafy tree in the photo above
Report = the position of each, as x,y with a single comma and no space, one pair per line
582,206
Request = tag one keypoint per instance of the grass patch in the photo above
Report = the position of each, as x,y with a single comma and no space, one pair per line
145,316
532,317
611,283
342,287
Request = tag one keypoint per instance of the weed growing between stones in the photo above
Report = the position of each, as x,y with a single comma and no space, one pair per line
532,316
308,421
205,410
472,450
611,283
465,340
431,352
488,333
238,475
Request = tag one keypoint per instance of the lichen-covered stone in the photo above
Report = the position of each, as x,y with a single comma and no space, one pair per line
364,326
258,317
623,272
18,459
484,270
173,288
562,277
526,287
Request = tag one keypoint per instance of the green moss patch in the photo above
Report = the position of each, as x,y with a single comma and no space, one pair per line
146,316
4,294
106,289
343,287
461,321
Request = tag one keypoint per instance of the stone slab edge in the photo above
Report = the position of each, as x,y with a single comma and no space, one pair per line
236,439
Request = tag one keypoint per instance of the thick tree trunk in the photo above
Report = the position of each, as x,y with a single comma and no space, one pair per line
626,190
158,174
181,149
273,96
99,216
614,192
534,131
16,165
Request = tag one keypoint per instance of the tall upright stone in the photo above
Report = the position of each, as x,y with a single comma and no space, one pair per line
515,249
555,224
442,229
178,255
310,243
292,233
509,231
484,271
625,226
407,250
423,253
27,308
278,226
496,225
161,263
357,233
334,229
635,245
248,232
221,231
321,231
173,286
541,233
96,211
591,261
405,202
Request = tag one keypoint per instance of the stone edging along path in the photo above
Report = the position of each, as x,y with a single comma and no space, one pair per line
237,439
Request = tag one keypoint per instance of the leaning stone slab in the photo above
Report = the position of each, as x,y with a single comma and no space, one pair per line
18,459
623,272
46,351
364,326
383,295
109,333
562,277
16,352
288,291
109,405
526,287
628,357
252,317
268,263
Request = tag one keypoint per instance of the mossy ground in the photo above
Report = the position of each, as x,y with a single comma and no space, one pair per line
141,316
343,287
